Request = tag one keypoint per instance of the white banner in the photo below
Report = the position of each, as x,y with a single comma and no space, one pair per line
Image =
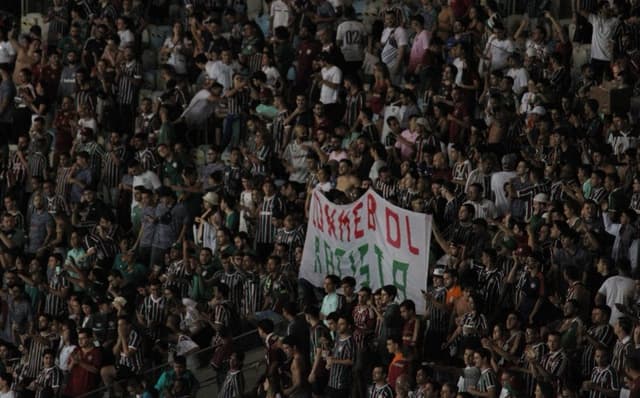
372,240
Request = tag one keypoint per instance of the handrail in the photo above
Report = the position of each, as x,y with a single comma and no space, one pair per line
164,365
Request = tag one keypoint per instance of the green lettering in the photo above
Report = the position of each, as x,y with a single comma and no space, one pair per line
364,272
401,285
339,253
380,258
317,262
328,256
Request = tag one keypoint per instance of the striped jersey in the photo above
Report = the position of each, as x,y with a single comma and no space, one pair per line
37,164
113,167
233,385
620,352
48,379
290,239
251,294
602,333
154,310
235,282
17,170
134,360
438,318
487,380
490,282
55,305
555,363
127,93
355,103
62,181
340,376
606,378
383,391
56,204
265,230
36,349
239,102
263,164
277,132
179,277
148,160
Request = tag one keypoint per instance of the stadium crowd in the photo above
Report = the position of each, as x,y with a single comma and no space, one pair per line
156,164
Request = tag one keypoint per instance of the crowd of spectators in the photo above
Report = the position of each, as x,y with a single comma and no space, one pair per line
156,164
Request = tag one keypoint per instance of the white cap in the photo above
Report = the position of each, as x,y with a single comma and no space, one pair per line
438,272
541,198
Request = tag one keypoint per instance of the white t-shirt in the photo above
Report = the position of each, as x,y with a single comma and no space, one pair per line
199,108
126,38
351,35
497,186
280,13
177,59
520,79
8,394
7,52
221,73
499,51
603,30
617,290
331,74
148,179
392,39
273,76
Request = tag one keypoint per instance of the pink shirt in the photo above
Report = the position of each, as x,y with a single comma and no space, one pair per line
419,47
406,151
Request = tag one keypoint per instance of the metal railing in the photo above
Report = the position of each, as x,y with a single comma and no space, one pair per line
146,375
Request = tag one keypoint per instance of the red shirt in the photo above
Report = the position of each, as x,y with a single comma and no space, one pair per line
407,333
397,367
81,381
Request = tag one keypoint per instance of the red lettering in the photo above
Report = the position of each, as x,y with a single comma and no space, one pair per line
414,250
389,215
357,233
344,225
371,212
331,226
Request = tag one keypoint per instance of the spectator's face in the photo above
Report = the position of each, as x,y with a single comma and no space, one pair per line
179,368
288,350
343,326
389,21
377,375
205,256
446,392
329,287
553,342
47,360
363,298
405,313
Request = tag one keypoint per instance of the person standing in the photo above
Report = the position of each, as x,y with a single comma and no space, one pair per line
604,27
85,364
272,204
129,80
394,43
340,361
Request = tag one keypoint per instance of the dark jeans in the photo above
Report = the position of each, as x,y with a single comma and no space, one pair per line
232,127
